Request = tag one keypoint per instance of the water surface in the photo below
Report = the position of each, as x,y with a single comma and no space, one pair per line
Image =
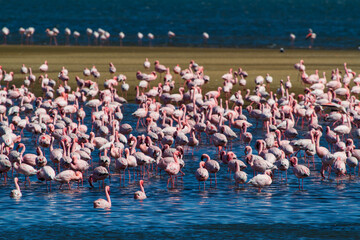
325,209
238,23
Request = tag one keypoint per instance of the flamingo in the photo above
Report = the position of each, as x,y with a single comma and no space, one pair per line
202,174
300,171
211,165
67,176
140,195
159,68
16,193
173,168
121,36
205,37
5,31
46,173
5,166
44,67
261,180
311,35
24,69
100,173
147,64
102,203
240,177
76,35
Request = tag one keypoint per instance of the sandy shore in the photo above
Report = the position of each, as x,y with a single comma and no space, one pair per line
216,62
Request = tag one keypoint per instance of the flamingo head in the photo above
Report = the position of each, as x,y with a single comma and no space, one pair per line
247,150
180,149
249,159
79,175
269,173
349,142
203,156
293,161
131,141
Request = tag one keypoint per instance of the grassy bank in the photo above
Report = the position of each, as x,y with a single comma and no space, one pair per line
216,62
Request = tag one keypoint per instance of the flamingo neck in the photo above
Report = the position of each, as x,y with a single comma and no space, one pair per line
142,187
176,158
17,186
108,196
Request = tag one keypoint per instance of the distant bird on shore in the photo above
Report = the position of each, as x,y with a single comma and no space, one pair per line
171,35
311,35
140,37
76,35
121,36
292,38
150,37
67,33
22,33
52,35
205,37
29,32
89,33
5,31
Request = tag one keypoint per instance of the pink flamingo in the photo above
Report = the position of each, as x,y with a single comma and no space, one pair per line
102,203
140,195
100,173
147,64
67,176
112,68
320,151
262,180
159,68
173,168
16,193
300,171
46,173
202,174
211,165
240,177
44,67
25,169
339,167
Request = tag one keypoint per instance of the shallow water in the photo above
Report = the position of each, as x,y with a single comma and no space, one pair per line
324,209
237,23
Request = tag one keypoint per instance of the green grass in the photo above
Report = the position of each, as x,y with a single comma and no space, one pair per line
216,62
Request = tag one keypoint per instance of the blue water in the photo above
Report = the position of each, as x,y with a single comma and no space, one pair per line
325,209
230,23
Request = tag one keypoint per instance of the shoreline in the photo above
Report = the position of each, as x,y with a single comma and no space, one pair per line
277,48
216,62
